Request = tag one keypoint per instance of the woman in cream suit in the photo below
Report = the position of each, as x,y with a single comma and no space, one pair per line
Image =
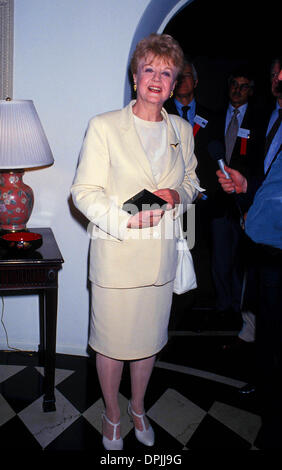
133,257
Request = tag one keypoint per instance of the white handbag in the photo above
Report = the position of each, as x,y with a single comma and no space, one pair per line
185,278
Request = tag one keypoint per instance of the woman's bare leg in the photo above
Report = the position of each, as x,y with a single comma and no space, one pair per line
140,372
109,373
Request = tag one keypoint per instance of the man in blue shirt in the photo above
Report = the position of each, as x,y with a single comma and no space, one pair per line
274,130
264,220
272,143
263,226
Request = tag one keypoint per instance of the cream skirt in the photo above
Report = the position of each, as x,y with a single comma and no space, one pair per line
128,324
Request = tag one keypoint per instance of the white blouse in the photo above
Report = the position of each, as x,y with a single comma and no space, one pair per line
153,137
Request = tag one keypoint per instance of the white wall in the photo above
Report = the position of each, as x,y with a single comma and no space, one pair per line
70,58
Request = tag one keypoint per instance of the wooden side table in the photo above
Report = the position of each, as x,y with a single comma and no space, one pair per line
37,272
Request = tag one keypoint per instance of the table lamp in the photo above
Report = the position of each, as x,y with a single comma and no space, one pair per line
23,145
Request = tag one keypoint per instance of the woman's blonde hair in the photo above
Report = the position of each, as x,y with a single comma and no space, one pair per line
162,46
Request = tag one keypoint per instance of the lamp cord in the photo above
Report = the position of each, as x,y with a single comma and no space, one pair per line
6,333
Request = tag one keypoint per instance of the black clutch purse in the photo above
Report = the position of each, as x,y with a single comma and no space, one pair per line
145,200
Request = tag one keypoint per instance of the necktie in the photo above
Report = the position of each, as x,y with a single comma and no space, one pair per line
231,135
185,110
272,131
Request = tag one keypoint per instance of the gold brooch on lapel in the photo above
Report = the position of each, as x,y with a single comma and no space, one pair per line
174,145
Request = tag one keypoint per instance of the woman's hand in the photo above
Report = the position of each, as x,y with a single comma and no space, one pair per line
170,196
145,219
237,182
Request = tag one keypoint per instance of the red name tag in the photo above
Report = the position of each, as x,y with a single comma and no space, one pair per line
243,149
195,129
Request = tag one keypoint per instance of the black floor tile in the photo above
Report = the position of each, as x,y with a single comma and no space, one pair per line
15,435
81,388
207,353
79,437
23,388
195,389
211,434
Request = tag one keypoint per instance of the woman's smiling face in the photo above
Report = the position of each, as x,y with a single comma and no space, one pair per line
155,79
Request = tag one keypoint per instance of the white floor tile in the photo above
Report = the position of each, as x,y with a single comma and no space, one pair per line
8,371
60,374
201,373
177,415
242,422
45,427
94,415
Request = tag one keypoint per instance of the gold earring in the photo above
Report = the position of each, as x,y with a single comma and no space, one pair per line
171,94
134,87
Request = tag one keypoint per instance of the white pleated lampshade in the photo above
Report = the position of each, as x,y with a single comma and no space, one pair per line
23,143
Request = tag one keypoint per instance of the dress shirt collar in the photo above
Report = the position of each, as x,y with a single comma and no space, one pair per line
191,112
240,116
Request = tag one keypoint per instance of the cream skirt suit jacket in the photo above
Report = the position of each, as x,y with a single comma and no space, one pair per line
131,270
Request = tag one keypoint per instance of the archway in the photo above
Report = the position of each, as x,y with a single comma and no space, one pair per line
219,37
210,20
155,18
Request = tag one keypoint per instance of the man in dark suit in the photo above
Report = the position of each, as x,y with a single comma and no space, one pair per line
185,104
243,130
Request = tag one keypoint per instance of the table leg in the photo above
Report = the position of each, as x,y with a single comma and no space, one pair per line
42,345
50,322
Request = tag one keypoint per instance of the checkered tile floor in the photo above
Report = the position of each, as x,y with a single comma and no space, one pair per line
192,401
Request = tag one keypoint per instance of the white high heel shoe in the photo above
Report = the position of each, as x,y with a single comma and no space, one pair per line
114,443
146,436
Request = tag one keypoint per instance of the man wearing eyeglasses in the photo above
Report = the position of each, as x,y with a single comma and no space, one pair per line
246,152
243,134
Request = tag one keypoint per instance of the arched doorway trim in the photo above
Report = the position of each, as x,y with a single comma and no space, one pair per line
154,19
176,9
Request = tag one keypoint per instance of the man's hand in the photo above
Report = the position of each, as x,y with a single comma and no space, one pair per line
237,181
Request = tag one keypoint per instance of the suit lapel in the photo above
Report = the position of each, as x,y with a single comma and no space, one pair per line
133,143
136,151
245,124
173,149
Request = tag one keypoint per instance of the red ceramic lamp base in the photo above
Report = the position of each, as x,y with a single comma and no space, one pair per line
16,201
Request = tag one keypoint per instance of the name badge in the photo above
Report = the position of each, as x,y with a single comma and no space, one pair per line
201,121
245,133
